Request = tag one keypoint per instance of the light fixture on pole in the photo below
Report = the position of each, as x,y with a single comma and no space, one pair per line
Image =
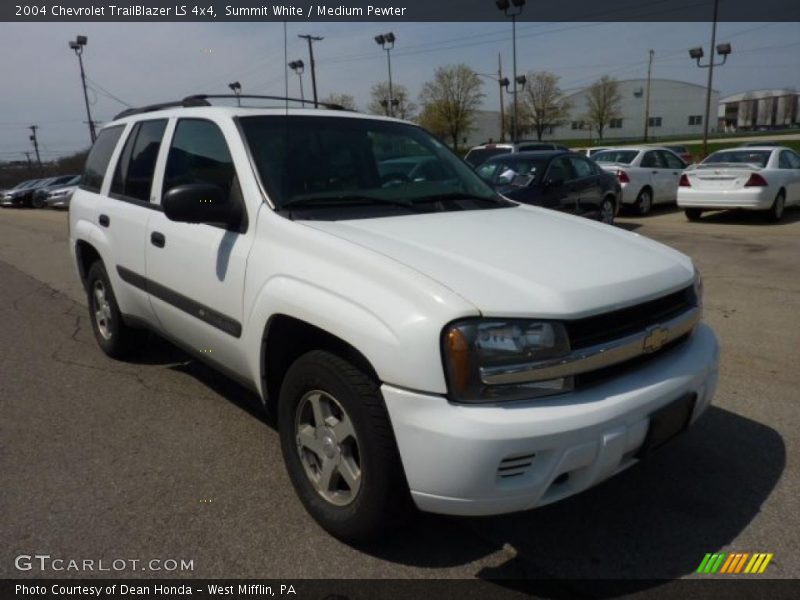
696,54
505,6
298,67
236,88
77,46
386,41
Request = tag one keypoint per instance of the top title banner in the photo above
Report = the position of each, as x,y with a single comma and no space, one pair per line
401,10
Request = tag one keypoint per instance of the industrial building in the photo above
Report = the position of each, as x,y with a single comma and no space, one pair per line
760,110
677,108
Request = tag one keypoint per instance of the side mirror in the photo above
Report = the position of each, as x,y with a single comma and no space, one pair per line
198,203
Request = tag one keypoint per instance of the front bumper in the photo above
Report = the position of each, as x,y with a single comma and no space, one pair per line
455,456
57,202
760,198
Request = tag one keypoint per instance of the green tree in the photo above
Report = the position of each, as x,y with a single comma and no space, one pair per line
543,105
451,99
344,100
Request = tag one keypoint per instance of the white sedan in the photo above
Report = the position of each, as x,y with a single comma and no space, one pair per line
754,178
648,175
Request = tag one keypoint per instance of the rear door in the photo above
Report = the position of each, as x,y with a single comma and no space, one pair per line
587,186
559,186
125,211
789,166
196,271
672,174
655,169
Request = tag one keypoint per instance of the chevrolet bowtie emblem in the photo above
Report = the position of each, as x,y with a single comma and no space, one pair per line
656,337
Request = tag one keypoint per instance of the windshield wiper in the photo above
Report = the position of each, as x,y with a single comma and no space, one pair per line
343,200
457,196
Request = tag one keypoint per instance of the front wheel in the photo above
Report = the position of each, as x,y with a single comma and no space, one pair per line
37,202
339,448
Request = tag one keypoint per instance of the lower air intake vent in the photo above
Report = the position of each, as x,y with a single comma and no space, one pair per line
515,466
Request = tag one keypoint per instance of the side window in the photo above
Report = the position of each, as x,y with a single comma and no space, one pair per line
199,154
794,160
672,161
99,157
785,160
559,170
133,176
582,167
651,160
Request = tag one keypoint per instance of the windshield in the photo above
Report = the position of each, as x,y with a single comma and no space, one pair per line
478,156
333,162
616,156
756,157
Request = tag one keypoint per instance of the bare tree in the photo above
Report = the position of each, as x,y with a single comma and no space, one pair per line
343,100
603,103
452,98
404,108
543,104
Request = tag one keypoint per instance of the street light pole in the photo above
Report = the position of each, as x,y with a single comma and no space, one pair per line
386,41
311,39
697,53
505,5
78,46
647,97
298,66
503,83
236,88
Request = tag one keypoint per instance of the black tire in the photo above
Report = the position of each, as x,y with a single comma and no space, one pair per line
693,214
775,212
114,337
382,500
607,211
644,201
37,202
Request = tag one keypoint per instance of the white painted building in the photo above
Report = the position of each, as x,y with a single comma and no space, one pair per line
760,109
676,108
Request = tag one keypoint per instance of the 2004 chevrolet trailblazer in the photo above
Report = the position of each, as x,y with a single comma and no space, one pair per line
418,336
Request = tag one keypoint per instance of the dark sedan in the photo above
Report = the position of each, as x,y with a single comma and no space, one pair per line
559,180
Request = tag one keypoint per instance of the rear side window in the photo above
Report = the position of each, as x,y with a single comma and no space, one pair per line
672,161
581,166
199,154
133,176
99,157
652,160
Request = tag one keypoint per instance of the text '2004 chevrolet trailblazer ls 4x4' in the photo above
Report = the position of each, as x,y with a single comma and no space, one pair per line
420,337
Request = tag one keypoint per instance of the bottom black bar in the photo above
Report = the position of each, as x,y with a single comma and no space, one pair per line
728,588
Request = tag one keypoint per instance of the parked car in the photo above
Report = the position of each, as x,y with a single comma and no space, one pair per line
682,152
41,191
479,154
765,178
21,194
590,152
648,175
760,144
564,181
419,341
59,197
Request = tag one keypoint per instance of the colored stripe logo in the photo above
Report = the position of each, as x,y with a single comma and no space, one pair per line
734,563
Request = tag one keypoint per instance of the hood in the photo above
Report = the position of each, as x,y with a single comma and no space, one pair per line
524,261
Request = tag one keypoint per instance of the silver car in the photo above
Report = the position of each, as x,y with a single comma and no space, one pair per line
59,197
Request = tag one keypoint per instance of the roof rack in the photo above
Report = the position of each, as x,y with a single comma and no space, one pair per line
202,100
316,104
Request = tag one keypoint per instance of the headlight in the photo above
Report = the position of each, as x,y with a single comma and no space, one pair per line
478,353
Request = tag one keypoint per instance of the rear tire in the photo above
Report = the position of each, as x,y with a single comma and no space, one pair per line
37,202
607,210
693,214
113,336
644,202
775,213
339,448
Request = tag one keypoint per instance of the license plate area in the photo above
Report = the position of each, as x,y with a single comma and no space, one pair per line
667,422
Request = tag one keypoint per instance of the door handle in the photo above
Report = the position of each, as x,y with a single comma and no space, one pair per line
157,239
104,220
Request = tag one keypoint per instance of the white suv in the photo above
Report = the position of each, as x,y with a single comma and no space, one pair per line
419,337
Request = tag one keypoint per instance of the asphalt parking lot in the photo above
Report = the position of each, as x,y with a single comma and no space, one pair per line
162,458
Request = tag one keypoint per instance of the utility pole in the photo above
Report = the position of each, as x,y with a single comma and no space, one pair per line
33,129
502,106
311,39
647,96
28,158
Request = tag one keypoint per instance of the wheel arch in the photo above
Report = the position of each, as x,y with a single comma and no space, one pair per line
85,255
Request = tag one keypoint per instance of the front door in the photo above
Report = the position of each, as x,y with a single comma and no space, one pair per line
196,271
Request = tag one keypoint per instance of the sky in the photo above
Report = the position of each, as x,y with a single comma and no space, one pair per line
143,63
